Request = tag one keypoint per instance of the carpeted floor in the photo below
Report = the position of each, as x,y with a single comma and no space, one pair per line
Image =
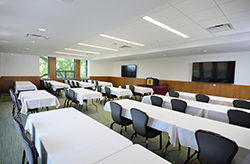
11,147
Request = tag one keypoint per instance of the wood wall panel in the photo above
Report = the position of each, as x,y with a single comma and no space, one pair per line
77,69
52,67
224,90
5,81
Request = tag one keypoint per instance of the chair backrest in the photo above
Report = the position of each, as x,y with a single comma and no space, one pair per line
46,85
165,84
214,148
12,95
66,92
240,118
73,84
63,81
96,83
107,91
92,81
99,89
132,88
116,112
157,101
77,85
18,124
241,104
173,94
50,87
30,149
140,120
72,95
123,86
12,85
17,103
179,105
202,98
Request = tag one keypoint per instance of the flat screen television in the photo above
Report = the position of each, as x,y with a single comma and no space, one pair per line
214,72
129,70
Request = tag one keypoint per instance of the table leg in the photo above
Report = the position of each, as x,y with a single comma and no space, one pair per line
165,149
89,105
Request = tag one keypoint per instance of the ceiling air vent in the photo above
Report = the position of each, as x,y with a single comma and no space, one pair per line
219,28
37,36
125,46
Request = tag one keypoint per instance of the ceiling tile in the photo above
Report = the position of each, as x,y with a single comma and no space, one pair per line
192,6
223,33
166,14
139,24
235,6
173,2
190,27
219,2
207,14
241,16
213,22
178,22
241,24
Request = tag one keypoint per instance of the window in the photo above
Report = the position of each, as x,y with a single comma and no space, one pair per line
44,67
65,68
84,69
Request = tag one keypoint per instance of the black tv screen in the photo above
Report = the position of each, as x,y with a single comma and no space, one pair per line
214,72
129,71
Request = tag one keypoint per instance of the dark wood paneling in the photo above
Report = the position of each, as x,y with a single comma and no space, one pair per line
77,69
224,90
5,81
0,86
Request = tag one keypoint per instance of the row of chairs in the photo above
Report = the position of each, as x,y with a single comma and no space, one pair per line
48,87
132,88
70,96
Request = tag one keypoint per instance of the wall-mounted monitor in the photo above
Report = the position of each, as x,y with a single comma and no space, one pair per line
214,72
129,71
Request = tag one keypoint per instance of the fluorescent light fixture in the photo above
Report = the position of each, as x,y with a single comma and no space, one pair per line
90,52
165,26
42,29
66,53
89,45
122,40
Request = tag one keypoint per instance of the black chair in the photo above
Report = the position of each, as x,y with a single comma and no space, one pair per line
240,118
178,105
42,84
214,148
73,84
157,101
140,120
63,80
173,94
116,111
78,85
14,103
46,86
72,96
50,88
108,94
70,84
92,81
99,89
30,149
123,86
132,88
20,129
12,86
241,104
202,98
67,97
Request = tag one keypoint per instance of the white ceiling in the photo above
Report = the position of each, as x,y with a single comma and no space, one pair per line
69,22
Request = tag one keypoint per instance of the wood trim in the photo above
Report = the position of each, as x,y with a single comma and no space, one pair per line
77,68
5,81
224,90
52,67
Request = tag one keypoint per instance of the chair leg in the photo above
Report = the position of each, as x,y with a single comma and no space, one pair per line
133,136
47,108
179,146
111,126
23,157
147,143
165,149
160,141
13,110
121,130
190,157
126,128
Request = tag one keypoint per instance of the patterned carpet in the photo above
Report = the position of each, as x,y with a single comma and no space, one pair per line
11,147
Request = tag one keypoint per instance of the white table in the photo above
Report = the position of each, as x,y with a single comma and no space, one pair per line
134,154
185,134
37,99
85,84
84,94
102,83
118,91
207,110
58,85
141,90
69,136
25,86
159,118
213,99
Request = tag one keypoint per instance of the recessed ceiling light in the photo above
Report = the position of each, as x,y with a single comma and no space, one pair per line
164,26
42,29
89,45
66,53
82,51
122,40
32,41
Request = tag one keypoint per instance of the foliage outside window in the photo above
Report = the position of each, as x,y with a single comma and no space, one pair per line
84,69
44,67
65,68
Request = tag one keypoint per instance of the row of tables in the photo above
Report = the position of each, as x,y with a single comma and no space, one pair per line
181,127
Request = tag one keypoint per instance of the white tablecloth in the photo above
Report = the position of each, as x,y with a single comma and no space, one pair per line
58,85
37,99
24,86
102,83
119,91
69,136
213,99
185,134
142,90
207,110
159,118
134,154
83,94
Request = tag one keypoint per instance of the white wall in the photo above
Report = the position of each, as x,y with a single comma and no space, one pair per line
19,65
100,68
180,68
